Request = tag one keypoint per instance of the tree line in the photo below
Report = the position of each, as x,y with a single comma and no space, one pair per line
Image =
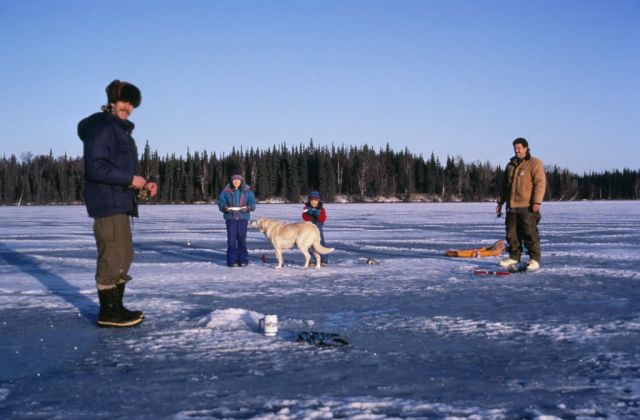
283,173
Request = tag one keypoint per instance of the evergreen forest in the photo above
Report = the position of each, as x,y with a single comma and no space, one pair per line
287,174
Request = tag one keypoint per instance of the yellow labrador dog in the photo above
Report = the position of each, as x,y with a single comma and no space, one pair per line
283,236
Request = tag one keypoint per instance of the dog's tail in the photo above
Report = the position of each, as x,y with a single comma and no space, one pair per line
321,249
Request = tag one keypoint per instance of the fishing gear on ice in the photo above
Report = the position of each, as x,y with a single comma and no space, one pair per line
492,251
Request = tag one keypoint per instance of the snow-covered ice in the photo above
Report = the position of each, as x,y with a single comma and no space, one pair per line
429,339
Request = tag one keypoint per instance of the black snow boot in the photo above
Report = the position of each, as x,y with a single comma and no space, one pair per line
120,289
111,313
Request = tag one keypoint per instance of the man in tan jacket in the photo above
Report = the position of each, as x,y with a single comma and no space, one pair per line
523,191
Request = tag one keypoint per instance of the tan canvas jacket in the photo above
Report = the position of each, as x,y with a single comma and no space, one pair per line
524,183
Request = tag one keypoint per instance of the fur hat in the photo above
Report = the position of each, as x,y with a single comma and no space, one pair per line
314,195
125,92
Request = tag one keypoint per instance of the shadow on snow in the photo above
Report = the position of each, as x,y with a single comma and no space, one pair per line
56,285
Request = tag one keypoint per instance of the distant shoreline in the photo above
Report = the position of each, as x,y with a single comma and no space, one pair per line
278,201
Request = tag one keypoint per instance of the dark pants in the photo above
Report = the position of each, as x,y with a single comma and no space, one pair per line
115,250
522,228
237,242
323,258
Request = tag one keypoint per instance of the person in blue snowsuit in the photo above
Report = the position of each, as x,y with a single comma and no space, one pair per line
236,201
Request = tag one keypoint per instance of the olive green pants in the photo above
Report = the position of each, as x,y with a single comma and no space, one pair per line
115,250
522,229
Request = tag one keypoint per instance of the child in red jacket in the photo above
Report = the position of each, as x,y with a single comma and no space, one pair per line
314,212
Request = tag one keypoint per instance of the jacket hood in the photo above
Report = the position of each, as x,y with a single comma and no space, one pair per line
87,126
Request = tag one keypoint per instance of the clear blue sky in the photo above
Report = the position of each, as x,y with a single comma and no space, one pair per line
453,77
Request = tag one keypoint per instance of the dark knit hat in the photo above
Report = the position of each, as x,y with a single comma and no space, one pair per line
125,92
237,176
314,195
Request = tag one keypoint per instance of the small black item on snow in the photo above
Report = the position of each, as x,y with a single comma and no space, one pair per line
263,259
481,272
322,339
371,261
512,269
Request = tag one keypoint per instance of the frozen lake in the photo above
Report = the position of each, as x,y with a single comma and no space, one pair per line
429,339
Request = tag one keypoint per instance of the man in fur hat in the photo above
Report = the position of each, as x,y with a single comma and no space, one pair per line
111,188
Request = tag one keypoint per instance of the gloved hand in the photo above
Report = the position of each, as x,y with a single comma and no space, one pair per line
314,212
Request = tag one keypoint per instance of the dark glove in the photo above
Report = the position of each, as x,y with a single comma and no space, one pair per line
323,339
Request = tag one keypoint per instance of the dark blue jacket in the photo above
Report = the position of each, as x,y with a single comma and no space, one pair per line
242,197
110,162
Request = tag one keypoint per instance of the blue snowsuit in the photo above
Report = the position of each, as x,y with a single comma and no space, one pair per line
237,221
